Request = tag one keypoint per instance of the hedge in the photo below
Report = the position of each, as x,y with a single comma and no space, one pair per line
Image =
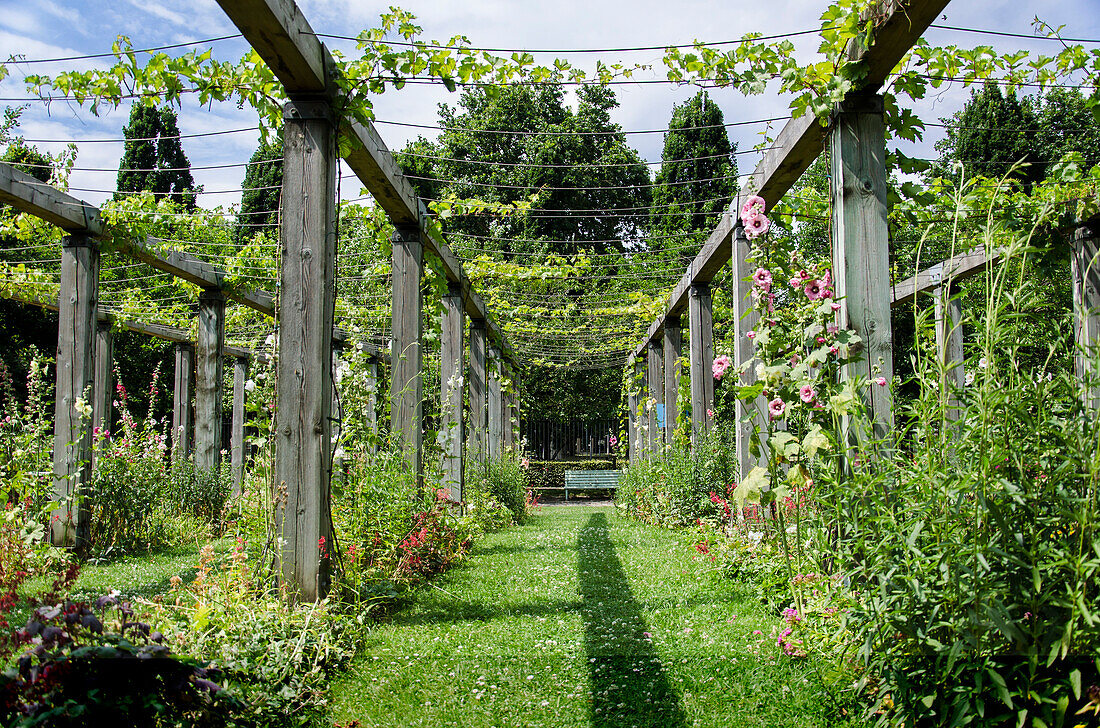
551,473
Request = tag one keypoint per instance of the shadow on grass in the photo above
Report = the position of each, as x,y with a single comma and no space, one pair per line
629,684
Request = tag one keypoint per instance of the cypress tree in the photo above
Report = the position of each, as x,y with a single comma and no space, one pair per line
263,180
153,158
697,178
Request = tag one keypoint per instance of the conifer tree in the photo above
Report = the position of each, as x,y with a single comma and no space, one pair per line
153,158
263,180
697,178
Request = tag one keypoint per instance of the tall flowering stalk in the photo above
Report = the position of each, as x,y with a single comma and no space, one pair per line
797,398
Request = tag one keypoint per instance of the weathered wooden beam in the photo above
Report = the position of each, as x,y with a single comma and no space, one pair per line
72,434
181,402
209,372
673,345
957,268
478,391
701,359
861,252
949,343
746,320
899,23
303,438
452,385
1085,268
202,274
236,436
655,384
634,399
407,385
284,39
104,388
27,194
495,405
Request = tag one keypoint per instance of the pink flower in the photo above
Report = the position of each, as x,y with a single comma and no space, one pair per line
880,381
807,393
762,278
832,328
813,290
776,408
821,339
756,226
834,349
710,413
827,279
751,334
721,364
795,358
796,282
753,206
613,441
835,305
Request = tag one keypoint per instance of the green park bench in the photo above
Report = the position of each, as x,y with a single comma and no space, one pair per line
591,480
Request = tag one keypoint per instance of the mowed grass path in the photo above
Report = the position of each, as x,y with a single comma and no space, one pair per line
579,618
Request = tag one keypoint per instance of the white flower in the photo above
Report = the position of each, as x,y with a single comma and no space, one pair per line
83,407
250,385
982,363
969,379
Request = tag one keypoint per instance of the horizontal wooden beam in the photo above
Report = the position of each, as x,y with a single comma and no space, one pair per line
27,194
899,24
202,274
282,36
956,268
284,39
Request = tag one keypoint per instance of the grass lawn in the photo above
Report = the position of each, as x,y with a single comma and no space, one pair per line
579,618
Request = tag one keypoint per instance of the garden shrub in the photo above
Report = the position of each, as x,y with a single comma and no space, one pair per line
87,665
501,480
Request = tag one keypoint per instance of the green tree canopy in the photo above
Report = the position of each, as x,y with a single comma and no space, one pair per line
991,133
507,144
697,178
263,183
153,158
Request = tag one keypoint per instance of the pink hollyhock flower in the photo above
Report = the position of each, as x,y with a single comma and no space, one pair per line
710,413
753,206
771,303
834,349
776,408
827,279
807,393
813,290
756,226
751,334
762,278
804,275
721,364
796,282
832,328
795,358
821,339
835,305
880,381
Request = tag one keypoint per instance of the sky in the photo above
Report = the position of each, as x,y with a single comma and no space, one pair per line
45,29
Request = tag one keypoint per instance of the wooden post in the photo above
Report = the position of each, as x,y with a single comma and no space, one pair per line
337,467
209,372
72,434
181,403
104,388
303,439
236,437
1085,264
371,405
701,347
496,431
949,343
507,433
655,372
479,391
407,384
673,351
747,319
861,265
452,365
635,398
